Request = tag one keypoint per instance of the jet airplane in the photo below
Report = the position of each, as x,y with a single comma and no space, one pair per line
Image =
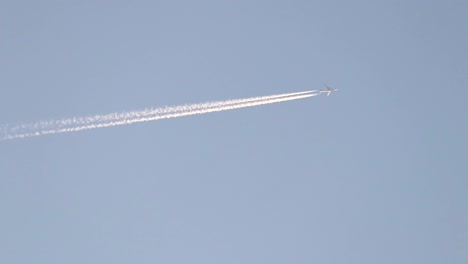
328,90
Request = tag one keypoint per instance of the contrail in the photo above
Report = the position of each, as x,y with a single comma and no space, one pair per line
115,119
134,114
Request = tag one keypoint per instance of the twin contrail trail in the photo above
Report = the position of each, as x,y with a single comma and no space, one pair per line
125,118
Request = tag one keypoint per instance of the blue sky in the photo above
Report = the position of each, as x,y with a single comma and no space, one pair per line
375,173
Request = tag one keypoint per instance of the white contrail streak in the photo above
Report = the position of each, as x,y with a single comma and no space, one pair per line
115,119
44,125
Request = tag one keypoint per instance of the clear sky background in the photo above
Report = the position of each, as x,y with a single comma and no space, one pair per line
375,173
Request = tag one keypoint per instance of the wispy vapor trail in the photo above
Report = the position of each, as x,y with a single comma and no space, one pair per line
115,119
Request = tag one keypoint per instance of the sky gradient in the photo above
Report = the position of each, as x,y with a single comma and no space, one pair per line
375,173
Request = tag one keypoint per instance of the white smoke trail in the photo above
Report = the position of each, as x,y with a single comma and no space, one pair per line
64,124
146,112
115,119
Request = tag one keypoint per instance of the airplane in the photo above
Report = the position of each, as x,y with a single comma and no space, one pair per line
328,90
